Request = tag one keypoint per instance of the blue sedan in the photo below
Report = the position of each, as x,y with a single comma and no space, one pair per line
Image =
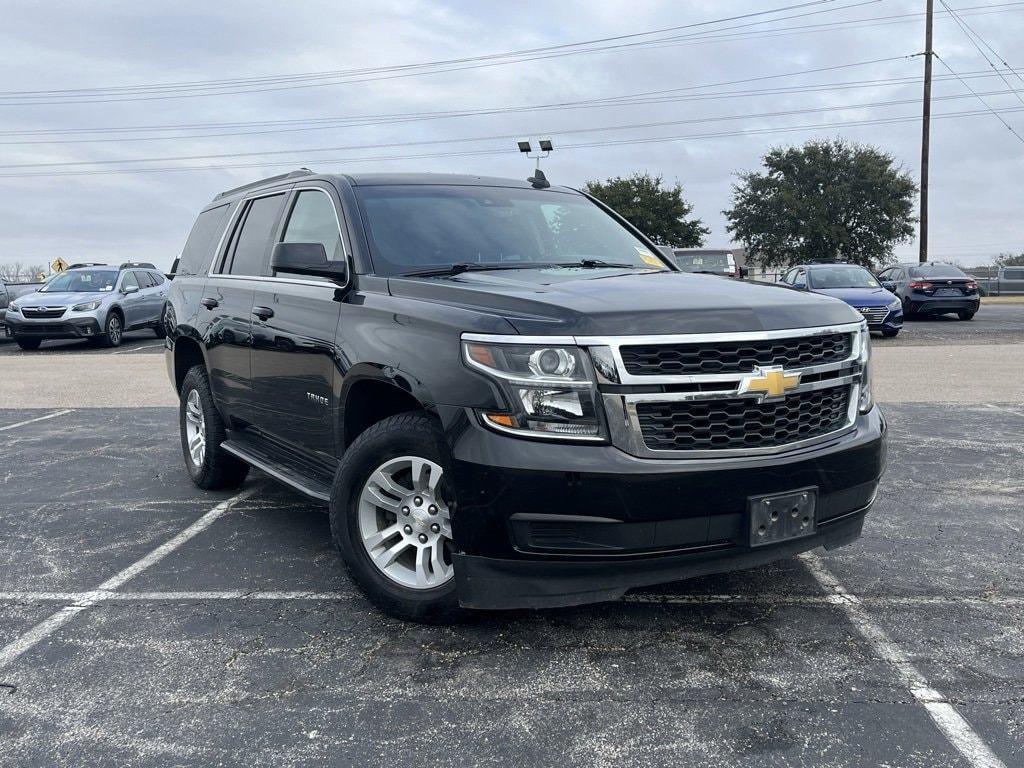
854,285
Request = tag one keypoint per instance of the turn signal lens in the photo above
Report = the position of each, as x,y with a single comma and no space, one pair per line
501,420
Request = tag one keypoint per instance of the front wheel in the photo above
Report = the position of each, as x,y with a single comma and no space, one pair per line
113,330
391,512
27,343
965,315
202,432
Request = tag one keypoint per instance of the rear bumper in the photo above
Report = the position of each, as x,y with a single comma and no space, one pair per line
78,328
542,524
925,305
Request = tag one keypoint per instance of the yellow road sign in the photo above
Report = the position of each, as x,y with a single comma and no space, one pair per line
59,265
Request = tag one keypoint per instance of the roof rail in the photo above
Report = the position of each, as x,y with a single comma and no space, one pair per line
137,265
88,264
261,182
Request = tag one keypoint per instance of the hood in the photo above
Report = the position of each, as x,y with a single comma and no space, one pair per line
859,297
59,298
590,302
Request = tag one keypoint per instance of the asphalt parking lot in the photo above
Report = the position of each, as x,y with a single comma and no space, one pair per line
142,620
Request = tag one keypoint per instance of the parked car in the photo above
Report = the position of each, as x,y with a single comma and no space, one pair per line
854,285
502,411
90,302
11,291
932,289
721,262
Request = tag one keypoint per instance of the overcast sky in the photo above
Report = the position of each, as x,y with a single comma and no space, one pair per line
977,164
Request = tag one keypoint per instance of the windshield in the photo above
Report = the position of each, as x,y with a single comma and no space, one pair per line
841,277
422,227
703,262
936,270
82,281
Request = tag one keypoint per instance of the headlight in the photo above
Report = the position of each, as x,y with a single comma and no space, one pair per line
87,306
895,303
13,307
866,401
550,390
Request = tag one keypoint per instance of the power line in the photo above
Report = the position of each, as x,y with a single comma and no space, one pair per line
998,116
505,151
493,59
957,15
971,35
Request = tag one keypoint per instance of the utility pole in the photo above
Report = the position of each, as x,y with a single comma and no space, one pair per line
926,122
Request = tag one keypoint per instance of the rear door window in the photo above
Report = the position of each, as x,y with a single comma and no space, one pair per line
202,240
157,278
251,249
145,279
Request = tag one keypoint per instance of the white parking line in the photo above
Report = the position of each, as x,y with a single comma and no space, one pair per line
1004,410
136,349
646,599
103,592
954,727
53,415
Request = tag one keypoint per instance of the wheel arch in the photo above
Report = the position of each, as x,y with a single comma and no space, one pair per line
370,396
187,353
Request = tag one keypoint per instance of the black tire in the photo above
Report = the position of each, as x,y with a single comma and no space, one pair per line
113,330
218,469
160,331
407,434
965,315
908,310
28,344
890,334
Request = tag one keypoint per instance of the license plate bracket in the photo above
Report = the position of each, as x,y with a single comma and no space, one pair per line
948,292
779,517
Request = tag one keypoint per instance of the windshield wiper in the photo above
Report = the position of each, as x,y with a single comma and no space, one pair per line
595,264
457,269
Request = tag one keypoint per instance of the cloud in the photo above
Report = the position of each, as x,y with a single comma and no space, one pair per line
976,163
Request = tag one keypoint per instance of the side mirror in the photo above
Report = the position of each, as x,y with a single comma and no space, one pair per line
129,289
306,259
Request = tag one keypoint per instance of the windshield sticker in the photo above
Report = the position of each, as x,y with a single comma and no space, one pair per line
648,258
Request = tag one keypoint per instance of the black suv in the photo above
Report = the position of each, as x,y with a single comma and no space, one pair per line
505,395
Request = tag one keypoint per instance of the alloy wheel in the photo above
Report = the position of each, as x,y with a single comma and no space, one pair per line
195,428
405,523
114,329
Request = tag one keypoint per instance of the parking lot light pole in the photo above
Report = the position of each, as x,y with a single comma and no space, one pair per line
925,134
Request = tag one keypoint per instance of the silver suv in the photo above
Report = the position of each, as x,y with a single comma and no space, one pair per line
92,301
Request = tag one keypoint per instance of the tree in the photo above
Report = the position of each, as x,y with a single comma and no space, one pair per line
824,201
1010,260
659,212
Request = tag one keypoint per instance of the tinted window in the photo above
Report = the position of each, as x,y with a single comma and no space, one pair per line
936,270
702,262
206,232
841,277
144,278
158,279
252,245
434,226
1013,274
129,281
313,221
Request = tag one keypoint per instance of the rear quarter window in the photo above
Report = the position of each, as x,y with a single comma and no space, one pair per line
202,240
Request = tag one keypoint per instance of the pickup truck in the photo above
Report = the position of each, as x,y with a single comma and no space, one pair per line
506,397
11,291
1008,281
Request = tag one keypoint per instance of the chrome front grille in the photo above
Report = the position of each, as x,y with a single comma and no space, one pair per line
734,356
742,422
728,394
874,315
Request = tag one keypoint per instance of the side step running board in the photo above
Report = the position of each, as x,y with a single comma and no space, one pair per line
286,473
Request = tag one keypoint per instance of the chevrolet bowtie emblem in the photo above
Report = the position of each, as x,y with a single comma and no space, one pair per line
772,382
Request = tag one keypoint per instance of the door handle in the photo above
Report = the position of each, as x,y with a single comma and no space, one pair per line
263,313
209,303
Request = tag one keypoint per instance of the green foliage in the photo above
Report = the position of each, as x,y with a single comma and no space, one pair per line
659,212
824,201
1010,260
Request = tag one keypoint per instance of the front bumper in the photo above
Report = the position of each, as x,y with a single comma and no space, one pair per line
79,327
543,524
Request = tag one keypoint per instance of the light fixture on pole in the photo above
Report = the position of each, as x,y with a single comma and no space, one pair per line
538,180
